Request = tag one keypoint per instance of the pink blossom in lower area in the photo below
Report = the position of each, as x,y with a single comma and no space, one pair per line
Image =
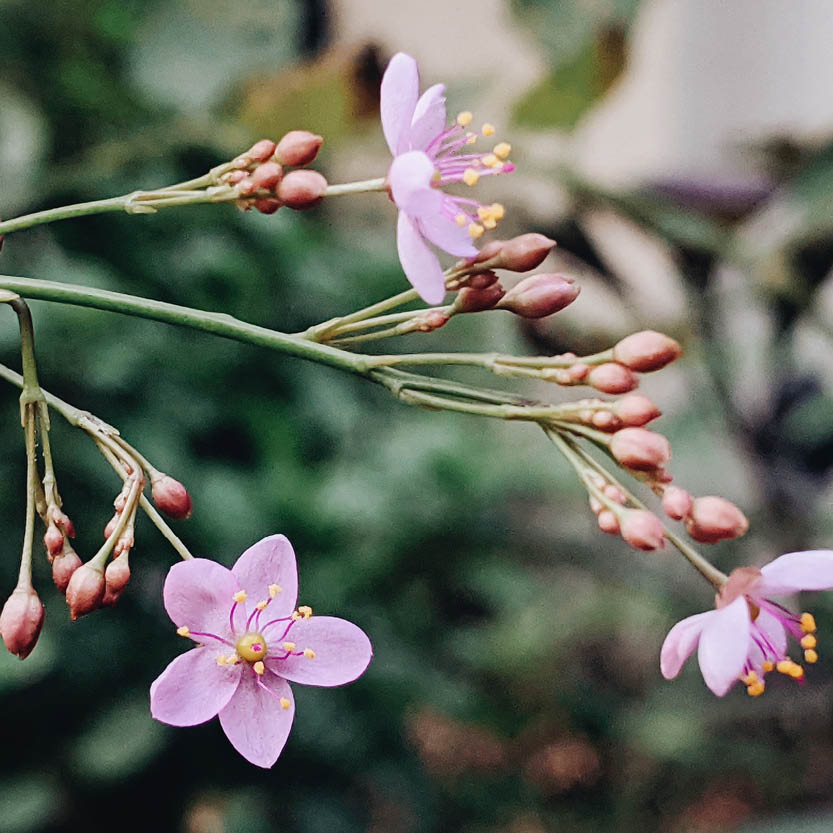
428,155
252,640
745,637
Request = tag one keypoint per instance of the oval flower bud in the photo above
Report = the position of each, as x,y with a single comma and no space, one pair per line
302,189
540,295
261,151
473,299
611,377
525,252
266,176
85,591
21,621
171,497
63,566
646,351
53,540
116,578
676,502
642,530
640,449
714,519
298,147
636,410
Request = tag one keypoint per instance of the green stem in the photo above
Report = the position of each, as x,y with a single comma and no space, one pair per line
319,332
362,187
24,580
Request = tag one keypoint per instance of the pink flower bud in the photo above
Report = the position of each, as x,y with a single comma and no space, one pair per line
85,591
267,205
540,295
53,540
604,421
640,449
261,151
525,252
111,525
430,321
676,502
171,497
636,410
470,299
712,519
608,522
302,189
62,521
481,280
646,351
233,177
21,621
116,578
611,377
643,530
266,176
63,566
298,147
490,250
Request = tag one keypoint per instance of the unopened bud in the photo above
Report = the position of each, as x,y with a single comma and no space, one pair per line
298,147
640,449
302,189
171,497
63,566
267,205
430,321
481,280
643,530
111,525
21,621
470,299
487,252
85,591
266,176
53,540
608,522
676,502
261,151
62,521
611,377
540,295
712,519
116,578
646,351
636,410
525,252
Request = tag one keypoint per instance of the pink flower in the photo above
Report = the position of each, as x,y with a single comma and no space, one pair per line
252,640
426,157
746,636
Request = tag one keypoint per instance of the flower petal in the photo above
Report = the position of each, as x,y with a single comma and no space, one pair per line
681,641
342,652
795,571
269,561
420,264
409,178
199,594
193,688
400,90
428,119
443,232
769,639
255,721
724,646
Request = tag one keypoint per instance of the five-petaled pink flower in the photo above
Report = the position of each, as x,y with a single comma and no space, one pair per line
746,636
427,156
252,640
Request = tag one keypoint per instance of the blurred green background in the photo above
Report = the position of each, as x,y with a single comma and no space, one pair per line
515,686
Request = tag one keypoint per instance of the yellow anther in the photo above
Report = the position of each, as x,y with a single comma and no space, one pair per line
274,589
491,161
475,230
811,656
436,177
767,665
183,631
464,119
309,653
488,129
502,149
796,672
289,646
808,641
305,611
285,704
750,679
240,596
461,220
756,689
490,223
498,211
470,176
808,623
259,668
261,605
471,138
784,666
222,659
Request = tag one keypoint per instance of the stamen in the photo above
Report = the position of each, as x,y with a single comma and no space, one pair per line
262,604
502,149
285,704
767,665
460,219
309,653
289,646
259,668
491,161
488,129
208,636
470,176
756,689
811,656
305,611
475,230
471,138
240,596
274,589
808,641
464,119
183,631
808,623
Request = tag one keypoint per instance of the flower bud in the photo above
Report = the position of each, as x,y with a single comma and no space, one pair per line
676,502
261,151
714,519
525,252
266,176
298,147
540,295
608,522
611,377
646,351
62,521
85,591
111,525
643,530
429,321
635,410
116,578
53,540
267,205
171,497
21,621
471,299
481,280
63,566
487,252
640,449
302,189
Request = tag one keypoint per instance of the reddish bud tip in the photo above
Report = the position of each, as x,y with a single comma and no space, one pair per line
636,410
676,502
261,151
267,205
540,295
63,566
116,578
298,147
643,530
646,351
85,591
472,299
172,497
525,252
640,449
266,176
712,519
53,540
21,621
302,189
611,377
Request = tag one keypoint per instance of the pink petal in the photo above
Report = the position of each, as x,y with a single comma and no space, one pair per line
443,232
342,652
255,721
429,118
420,264
680,643
200,594
400,89
795,571
193,688
269,561
409,178
769,632
724,646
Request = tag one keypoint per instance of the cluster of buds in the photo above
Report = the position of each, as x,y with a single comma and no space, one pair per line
259,175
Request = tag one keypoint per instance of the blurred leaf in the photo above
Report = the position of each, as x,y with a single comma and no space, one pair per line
27,803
